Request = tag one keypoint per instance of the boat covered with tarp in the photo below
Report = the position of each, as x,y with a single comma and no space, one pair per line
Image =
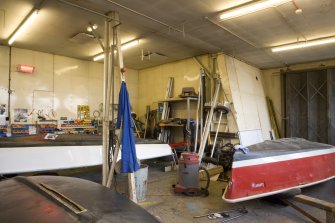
276,166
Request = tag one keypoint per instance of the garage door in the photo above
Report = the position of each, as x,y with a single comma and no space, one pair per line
309,105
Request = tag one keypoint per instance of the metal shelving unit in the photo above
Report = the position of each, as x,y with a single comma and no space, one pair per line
188,101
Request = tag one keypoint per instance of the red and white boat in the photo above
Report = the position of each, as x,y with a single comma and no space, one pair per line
272,167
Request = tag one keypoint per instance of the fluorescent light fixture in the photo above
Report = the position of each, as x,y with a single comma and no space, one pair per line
303,44
99,57
26,22
123,47
130,44
254,6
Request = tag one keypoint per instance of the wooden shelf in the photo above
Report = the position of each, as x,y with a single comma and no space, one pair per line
170,125
227,135
179,99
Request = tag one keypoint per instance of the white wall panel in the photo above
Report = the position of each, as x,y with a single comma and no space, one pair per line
4,66
95,85
248,97
73,85
263,116
23,84
58,82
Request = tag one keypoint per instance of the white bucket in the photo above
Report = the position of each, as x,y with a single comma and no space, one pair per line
141,182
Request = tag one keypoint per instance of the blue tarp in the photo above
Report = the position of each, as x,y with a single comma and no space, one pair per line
124,120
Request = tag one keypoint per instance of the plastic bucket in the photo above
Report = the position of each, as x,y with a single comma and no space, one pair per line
141,181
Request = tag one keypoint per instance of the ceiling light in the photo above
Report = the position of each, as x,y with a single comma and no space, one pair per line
250,8
303,44
90,28
123,47
26,22
99,57
130,44
297,10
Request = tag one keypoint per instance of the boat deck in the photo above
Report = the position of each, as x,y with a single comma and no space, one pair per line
61,140
280,147
34,153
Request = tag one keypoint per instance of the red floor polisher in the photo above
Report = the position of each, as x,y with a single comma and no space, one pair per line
188,176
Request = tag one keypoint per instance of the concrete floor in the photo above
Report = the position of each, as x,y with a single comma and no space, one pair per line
168,207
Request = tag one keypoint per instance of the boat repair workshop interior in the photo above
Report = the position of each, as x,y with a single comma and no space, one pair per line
172,111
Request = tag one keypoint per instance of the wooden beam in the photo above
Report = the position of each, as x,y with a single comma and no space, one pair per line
314,202
302,211
321,204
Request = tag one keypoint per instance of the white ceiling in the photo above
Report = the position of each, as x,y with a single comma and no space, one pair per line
248,37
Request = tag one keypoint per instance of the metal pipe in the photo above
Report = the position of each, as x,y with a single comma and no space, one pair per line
197,115
210,116
202,66
203,98
9,84
216,134
188,129
97,37
119,137
244,40
113,71
119,52
146,16
105,129
231,32
88,10
110,89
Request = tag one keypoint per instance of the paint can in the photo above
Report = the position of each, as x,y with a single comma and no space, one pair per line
141,182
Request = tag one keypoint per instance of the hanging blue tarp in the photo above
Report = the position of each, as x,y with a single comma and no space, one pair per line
124,121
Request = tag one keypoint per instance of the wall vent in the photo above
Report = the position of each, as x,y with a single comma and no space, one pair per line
82,38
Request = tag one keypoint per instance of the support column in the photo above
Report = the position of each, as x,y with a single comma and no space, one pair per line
106,98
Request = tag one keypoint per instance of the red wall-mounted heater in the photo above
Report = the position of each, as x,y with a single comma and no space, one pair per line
25,68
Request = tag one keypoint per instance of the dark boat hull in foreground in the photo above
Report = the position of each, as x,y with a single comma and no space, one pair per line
277,166
52,199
